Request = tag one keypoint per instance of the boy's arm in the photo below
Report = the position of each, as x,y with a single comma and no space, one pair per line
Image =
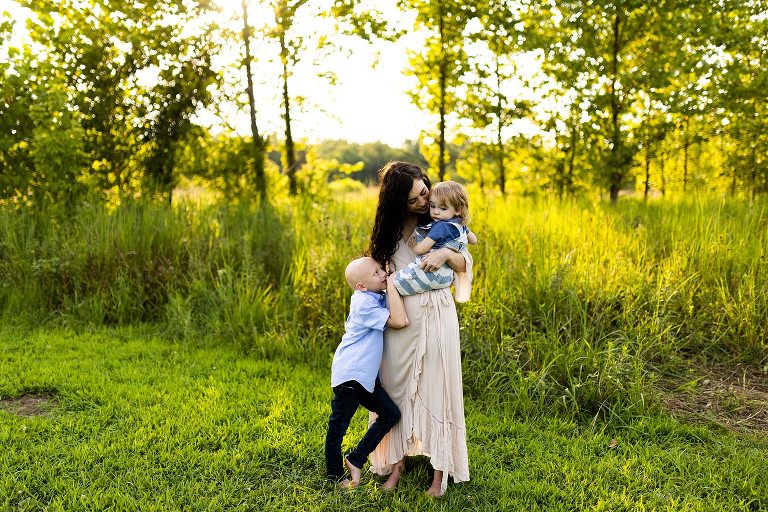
471,238
422,247
397,316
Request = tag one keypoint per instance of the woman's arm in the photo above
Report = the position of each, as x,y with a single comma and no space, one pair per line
435,259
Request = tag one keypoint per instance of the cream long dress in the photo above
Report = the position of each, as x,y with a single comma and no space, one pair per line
421,372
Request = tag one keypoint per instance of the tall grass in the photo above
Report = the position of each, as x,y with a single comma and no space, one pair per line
576,306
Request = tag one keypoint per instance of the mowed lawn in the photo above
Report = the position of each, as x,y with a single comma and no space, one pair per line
136,422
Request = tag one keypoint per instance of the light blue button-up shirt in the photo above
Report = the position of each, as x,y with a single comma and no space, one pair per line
358,356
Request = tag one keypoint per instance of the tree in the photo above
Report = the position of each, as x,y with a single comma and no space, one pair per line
41,138
17,85
182,88
439,66
613,54
652,131
135,73
741,86
489,102
258,143
290,45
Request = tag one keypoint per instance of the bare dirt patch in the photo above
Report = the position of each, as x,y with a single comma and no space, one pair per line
733,397
27,406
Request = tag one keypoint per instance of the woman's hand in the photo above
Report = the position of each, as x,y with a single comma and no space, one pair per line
433,260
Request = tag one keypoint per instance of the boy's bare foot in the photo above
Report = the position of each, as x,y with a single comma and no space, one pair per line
435,490
355,472
347,484
394,477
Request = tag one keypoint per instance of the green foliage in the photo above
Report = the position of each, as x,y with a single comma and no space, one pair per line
127,266
17,87
364,21
182,89
373,156
345,185
577,307
633,97
57,147
118,133
223,162
317,173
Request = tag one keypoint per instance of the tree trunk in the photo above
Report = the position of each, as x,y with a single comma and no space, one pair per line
663,177
290,152
733,168
753,158
647,171
686,143
615,173
499,125
480,174
572,159
442,79
258,145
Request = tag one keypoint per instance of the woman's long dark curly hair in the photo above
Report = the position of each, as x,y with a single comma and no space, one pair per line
396,183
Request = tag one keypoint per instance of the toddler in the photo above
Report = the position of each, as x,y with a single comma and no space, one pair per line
449,209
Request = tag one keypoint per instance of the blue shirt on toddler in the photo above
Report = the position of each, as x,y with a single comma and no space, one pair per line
443,232
358,356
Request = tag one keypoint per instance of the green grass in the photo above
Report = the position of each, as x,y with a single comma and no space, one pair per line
144,423
578,308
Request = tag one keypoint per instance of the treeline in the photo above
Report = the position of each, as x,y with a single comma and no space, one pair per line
528,97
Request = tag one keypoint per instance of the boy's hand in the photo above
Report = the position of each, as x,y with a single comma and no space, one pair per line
412,241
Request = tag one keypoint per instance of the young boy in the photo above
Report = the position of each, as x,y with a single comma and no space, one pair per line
355,368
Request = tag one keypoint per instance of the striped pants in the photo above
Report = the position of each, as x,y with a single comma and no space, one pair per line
413,279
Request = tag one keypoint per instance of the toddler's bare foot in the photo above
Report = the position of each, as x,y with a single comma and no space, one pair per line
394,477
355,472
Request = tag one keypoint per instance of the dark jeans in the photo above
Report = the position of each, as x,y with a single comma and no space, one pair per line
347,397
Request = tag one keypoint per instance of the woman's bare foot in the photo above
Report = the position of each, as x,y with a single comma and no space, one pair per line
346,484
435,490
355,472
397,471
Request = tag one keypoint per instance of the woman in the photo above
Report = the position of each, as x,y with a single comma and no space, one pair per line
421,364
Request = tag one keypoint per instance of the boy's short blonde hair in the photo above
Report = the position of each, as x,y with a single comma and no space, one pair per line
454,195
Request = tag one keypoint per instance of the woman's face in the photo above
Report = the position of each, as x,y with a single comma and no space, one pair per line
418,198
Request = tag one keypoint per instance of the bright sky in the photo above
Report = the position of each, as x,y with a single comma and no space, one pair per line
368,101
365,104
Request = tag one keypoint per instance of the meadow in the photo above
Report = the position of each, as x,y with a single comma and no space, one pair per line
184,352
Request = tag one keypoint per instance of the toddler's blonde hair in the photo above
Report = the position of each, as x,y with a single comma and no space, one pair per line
454,195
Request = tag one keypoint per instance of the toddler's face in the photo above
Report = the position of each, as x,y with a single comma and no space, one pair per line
438,210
